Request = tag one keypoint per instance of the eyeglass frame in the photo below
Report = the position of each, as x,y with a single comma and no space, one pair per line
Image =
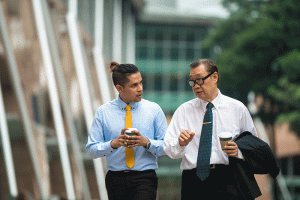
195,81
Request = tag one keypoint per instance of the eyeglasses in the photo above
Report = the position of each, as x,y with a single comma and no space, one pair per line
199,81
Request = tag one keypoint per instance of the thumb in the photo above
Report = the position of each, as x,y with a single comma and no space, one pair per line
192,133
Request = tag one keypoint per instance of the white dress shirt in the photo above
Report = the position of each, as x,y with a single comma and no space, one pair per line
229,115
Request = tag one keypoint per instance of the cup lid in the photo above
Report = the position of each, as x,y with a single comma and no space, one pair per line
130,129
225,135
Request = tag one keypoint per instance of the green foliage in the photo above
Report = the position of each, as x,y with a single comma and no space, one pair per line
261,52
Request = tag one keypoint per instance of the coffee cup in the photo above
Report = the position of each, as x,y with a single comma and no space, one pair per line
225,137
129,131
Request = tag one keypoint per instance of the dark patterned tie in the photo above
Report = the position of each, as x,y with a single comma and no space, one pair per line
203,161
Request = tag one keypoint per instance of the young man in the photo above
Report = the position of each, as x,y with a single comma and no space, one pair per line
131,160
193,136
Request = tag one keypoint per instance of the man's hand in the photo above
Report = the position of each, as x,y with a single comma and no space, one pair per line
119,141
136,140
231,149
185,137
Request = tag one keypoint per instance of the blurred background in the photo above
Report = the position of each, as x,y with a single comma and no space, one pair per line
53,76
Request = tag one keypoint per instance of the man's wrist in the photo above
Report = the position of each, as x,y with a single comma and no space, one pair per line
148,143
112,144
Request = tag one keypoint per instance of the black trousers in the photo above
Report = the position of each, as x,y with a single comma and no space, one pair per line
220,184
134,185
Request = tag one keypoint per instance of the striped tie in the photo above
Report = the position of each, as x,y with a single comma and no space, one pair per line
204,152
129,152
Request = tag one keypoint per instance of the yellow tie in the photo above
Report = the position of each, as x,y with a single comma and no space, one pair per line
128,124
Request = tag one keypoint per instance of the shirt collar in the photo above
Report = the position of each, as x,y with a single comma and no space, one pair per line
215,102
121,104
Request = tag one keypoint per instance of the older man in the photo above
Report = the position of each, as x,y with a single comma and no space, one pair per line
193,136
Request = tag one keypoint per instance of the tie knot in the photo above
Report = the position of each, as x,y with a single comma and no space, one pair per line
209,105
127,107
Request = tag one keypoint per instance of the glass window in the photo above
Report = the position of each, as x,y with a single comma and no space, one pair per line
142,34
144,81
141,53
175,37
190,37
174,53
159,35
189,54
157,82
158,53
174,83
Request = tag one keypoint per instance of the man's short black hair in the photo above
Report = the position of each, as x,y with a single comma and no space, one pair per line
120,72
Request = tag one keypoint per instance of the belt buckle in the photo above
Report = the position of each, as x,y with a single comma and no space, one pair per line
126,171
213,166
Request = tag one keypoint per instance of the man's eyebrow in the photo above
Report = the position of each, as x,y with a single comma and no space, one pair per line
196,75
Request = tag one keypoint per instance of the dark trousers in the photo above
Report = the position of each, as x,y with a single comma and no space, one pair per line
131,185
220,184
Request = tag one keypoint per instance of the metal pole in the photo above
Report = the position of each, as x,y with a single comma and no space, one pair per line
98,53
8,159
83,83
22,104
66,106
54,99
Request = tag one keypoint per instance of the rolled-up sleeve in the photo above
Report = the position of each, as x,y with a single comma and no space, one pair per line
96,146
160,128
171,143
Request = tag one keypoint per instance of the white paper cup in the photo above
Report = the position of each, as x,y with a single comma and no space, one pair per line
225,137
129,131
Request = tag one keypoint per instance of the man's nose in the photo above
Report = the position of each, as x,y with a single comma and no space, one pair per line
140,88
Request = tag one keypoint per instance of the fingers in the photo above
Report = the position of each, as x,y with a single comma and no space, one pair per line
231,149
185,137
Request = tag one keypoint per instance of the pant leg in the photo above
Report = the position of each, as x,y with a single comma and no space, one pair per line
219,185
116,186
144,185
191,186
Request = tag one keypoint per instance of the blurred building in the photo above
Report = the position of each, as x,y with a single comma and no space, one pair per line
49,131
48,117
169,37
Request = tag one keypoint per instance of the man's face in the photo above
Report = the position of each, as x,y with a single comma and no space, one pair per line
208,90
132,91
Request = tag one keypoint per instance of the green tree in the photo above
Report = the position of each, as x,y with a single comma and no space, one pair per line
260,52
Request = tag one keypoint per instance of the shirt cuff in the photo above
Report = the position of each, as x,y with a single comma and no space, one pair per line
240,155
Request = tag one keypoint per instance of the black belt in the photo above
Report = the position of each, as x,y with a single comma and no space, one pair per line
132,171
217,166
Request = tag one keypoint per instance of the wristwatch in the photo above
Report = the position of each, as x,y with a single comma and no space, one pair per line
148,144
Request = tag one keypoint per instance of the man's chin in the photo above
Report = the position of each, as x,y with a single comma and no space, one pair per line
138,99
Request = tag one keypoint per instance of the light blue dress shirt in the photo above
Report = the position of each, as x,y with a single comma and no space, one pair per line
109,120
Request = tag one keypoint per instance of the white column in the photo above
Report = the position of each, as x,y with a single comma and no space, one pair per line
83,84
54,99
8,159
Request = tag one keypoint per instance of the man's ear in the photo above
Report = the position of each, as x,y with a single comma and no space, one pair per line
119,88
216,77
